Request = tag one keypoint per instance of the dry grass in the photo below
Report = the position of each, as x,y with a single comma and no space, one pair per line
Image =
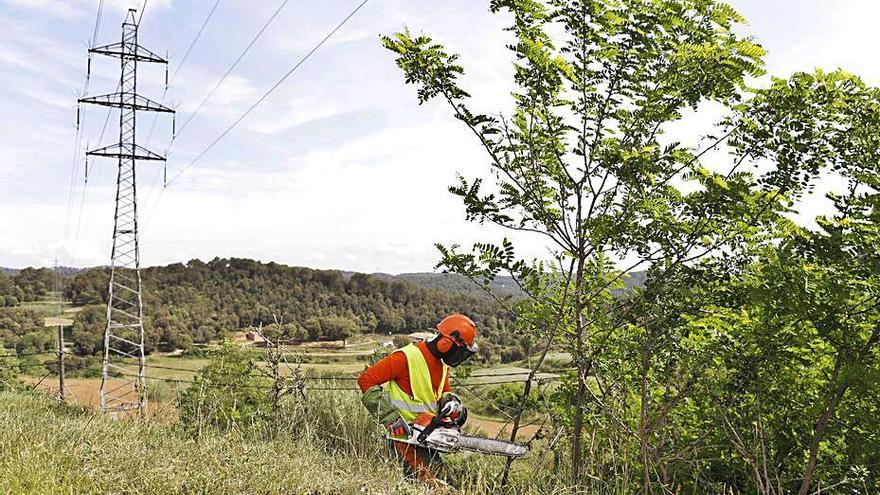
48,448
45,448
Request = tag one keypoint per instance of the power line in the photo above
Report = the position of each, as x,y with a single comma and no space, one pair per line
475,375
269,92
82,199
165,92
143,9
182,63
305,379
229,384
97,23
80,124
202,104
232,67
245,114
196,39
43,364
344,378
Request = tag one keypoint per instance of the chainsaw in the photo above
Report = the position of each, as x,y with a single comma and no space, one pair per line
438,432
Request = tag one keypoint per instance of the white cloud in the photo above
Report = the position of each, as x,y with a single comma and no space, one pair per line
235,90
296,112
339,168
60,8
151,5
376,204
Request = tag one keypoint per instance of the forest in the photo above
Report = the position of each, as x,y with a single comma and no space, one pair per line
27,285
197,303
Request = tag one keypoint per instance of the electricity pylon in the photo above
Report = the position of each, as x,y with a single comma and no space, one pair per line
122,391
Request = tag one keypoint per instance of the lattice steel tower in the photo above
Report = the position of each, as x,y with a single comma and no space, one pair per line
123,391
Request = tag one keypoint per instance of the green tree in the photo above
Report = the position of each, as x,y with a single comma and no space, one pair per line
808,308
340,328
227,393
88,330
580,161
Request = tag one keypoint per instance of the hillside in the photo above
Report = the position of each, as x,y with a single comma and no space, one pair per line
503,286
335,450
199,302
44,447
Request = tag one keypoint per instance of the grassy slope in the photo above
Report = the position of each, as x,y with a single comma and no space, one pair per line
48,449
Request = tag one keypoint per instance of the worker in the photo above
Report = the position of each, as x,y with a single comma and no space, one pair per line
417,377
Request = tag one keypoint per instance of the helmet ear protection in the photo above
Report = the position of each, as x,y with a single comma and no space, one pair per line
444,344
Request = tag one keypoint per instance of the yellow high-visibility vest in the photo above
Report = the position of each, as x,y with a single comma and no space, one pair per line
424,398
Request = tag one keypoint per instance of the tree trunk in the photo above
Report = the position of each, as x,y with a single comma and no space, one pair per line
578,423
818,436
643,420
834,398
551,336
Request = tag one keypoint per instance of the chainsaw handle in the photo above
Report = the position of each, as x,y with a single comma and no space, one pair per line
435,422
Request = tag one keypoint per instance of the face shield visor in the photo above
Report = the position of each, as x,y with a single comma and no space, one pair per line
459,353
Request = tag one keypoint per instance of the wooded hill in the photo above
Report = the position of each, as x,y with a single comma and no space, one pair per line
198,302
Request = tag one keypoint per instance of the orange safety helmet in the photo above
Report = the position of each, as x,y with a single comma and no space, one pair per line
461,325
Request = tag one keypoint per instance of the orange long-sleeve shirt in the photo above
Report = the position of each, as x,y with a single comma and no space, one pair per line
394,367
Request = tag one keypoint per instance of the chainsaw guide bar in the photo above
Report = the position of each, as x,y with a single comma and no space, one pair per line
450,440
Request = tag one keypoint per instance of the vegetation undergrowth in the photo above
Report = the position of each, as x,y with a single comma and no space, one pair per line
47,448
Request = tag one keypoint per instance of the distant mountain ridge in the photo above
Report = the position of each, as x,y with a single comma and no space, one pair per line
503,286
451,282
63,270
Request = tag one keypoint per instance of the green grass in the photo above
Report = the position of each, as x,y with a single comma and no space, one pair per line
47,448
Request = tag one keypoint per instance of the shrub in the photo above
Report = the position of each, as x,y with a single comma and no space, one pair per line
508,395
9,371
400,341
227,393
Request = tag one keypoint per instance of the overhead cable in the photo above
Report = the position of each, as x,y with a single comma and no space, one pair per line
199,107
269,92
196,39
231,67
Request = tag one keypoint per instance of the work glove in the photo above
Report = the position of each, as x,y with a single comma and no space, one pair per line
451,410
374,400
400,429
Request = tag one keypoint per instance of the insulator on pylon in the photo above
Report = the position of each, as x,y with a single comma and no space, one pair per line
166,73
89,67
86,179
78,108
165,175
173,125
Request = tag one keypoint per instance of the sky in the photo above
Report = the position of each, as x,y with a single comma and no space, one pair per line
339,168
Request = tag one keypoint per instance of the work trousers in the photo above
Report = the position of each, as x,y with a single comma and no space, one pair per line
422,463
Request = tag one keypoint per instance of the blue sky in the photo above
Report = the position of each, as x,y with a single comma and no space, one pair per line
339,168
